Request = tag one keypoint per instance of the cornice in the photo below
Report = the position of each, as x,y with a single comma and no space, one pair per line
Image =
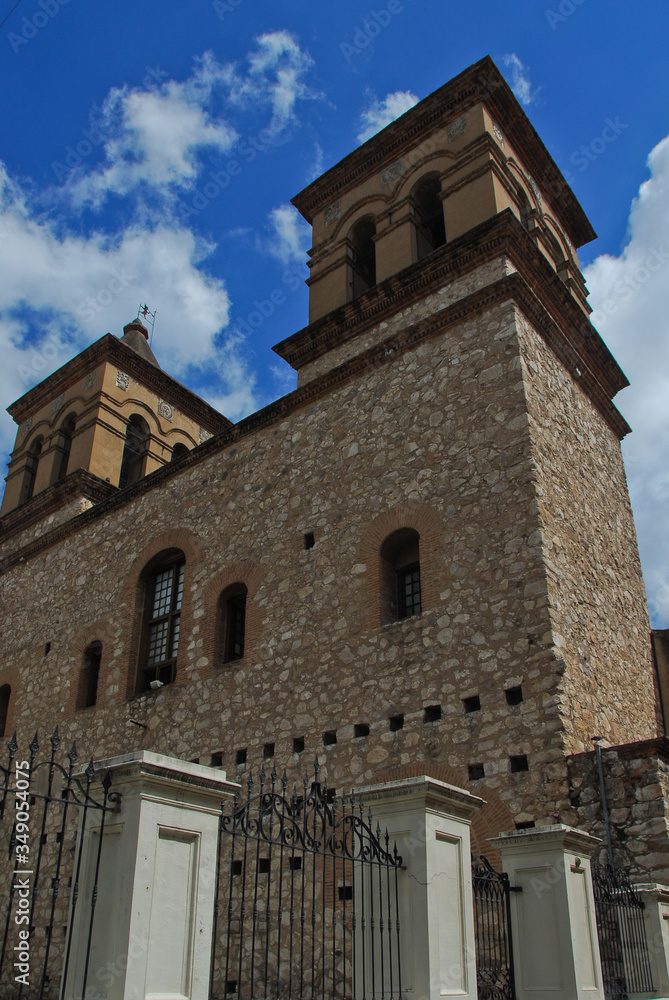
77,484
110,348
480,83
511,288
503,234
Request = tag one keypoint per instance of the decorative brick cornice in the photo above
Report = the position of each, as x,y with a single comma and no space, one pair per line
512,289
110,348
78,484
480,83
501,235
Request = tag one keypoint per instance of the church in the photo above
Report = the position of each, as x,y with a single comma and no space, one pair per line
421,561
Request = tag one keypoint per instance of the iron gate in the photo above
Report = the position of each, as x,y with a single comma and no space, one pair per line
308,898
621,931
44,811
492,926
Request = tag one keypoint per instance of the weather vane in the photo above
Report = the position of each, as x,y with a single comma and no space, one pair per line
145,312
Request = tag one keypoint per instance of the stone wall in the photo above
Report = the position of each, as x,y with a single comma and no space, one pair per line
636,779
595,593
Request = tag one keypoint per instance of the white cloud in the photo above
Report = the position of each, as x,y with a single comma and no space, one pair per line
155,135
629,297
520,79
75,288
290,235
380,113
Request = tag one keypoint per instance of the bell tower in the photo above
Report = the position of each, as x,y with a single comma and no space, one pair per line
107,418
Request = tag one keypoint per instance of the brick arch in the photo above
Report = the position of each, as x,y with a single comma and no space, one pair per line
131,596
372,204
72,405
252,575
408,514
98,630
437,161
488,822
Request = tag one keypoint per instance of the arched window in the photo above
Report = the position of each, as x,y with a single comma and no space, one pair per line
362,256
162,620
89,675
232,621
64,447
429,215
30,474
5,694
134,451
400,576
178,451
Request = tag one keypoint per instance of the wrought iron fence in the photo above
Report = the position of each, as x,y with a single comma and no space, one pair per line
308,898
621,932
45,809
492,925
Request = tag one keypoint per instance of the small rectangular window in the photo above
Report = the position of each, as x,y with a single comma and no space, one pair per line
240,757
360,730
268,750
395,723
330,738
216,760
432,713
514,695
298,744
518,763
472,704
309,540
529,825
263,866
237,867
344,892
294,864
475,772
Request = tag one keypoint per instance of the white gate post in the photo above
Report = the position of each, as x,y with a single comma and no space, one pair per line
152,931
430,822
656,918
555,942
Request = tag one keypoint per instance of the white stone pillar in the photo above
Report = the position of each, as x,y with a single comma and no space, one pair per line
430,822
152,931
656,917
553,915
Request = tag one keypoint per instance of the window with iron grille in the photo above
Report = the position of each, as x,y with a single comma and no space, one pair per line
162,623
399,576
409,591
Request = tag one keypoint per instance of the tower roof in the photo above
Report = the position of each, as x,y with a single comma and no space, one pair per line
136,337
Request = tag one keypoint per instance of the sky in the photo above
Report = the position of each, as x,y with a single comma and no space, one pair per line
149,152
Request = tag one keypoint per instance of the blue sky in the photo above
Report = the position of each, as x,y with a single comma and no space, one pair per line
149,152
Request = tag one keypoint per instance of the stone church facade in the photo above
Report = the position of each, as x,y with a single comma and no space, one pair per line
422,560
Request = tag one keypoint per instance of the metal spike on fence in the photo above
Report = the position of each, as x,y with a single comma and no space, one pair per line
55,740
317,767
13,746
33,746
273,776
262,777
73,756
90,770
284,781
107,781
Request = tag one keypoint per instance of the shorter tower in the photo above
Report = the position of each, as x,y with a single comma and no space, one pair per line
106,419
